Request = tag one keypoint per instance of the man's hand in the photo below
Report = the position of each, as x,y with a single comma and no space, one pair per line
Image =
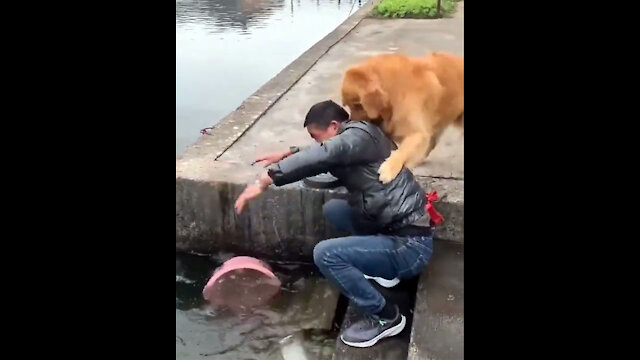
251,192
272,158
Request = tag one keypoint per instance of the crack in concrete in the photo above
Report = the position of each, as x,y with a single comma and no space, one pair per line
442,177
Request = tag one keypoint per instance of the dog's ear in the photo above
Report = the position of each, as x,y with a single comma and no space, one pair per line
374,99
355,79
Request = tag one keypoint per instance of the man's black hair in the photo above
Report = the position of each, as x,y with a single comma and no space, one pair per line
322,113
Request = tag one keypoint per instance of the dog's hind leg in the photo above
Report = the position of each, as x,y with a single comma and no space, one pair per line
459,122
418,158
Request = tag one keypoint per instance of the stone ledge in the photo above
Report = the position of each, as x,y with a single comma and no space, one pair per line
285,223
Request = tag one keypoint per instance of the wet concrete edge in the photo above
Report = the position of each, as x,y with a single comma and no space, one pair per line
438,326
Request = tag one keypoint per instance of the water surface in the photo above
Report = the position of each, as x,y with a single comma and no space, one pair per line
227,49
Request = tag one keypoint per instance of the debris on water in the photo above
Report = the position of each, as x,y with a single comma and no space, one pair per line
290,267
451,297
291,347
299,283
180,278
285,339
223,256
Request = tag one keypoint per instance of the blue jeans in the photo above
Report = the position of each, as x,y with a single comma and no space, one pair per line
343,261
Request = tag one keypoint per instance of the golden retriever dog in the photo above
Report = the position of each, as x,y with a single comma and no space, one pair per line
412,99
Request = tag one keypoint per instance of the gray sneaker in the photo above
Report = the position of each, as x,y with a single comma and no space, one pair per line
368,331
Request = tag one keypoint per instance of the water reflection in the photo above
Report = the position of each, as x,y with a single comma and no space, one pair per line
226,49
220,15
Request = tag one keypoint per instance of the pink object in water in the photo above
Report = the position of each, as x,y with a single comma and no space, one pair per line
241,282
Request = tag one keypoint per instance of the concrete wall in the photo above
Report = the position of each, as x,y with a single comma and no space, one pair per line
285,223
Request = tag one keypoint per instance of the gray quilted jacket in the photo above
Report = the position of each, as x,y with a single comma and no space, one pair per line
354,156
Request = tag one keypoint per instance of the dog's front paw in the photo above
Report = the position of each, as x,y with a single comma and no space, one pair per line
389,170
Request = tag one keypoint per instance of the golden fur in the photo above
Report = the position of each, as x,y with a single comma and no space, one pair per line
412,99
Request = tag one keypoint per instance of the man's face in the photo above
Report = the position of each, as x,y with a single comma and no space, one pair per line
321,135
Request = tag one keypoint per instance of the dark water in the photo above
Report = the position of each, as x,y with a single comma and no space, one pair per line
288,327
226,49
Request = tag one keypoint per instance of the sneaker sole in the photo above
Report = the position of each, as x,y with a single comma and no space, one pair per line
383,282
385,334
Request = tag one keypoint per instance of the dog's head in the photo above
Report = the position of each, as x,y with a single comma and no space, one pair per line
363,94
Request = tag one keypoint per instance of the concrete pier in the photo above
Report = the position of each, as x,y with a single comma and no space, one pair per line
287,222
213,172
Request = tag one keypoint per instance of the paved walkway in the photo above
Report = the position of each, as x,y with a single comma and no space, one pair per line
281,126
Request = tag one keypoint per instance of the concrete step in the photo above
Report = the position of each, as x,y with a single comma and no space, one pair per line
434,306
393,348
450,205
438,315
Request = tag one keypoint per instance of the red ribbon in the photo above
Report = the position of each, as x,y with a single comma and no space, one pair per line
436,218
